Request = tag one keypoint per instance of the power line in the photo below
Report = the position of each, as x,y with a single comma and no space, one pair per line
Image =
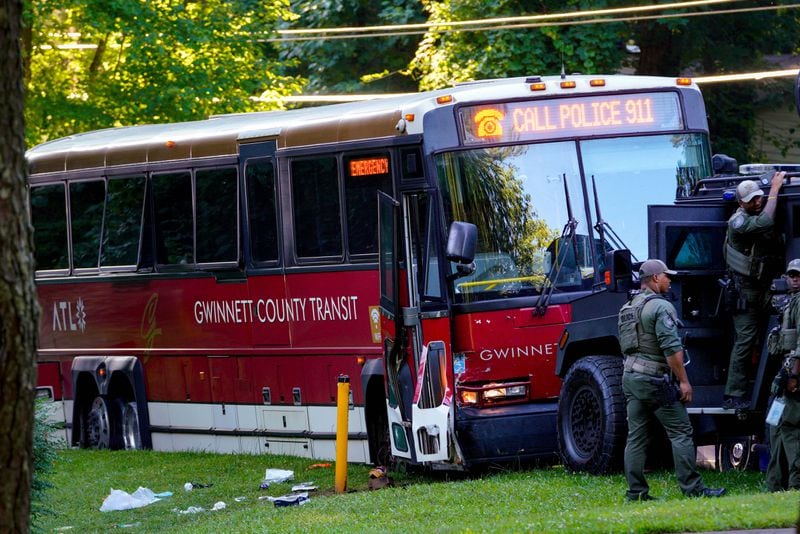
537,24
700,80
503,20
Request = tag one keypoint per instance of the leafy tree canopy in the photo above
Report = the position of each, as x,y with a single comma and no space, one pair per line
367,64
444,58
150,61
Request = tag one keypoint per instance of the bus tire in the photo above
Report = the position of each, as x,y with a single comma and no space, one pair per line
96,421
124,419
591,424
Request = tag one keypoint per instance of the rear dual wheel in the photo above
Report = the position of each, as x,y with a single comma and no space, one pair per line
111,423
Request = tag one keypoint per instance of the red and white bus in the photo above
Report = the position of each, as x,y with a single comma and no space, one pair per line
204,284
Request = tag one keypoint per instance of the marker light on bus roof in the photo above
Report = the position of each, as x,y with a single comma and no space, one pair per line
444,99
597,82
568,85
409,117
539,86
170,144
683,81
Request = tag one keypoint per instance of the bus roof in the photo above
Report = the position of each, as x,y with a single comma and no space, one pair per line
221,135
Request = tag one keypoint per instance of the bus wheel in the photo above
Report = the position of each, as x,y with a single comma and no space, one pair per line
131,436
735,455
96,424
591,415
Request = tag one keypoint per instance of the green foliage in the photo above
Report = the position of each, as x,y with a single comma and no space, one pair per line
154,61
444,58
541,500
46,448
367,64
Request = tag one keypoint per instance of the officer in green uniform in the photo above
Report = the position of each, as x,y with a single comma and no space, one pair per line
783,471
648,335
753,255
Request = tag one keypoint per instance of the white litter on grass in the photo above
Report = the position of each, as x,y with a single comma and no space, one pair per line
188,486
121,500
219,505
275,476
240,499
190,510
304,486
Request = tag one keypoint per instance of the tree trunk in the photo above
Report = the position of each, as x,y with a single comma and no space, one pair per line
19,317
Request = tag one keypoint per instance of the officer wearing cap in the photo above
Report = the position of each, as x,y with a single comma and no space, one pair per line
654,351
753,255
783,471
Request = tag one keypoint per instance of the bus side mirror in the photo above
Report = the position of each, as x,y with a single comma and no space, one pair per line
619,270
462,241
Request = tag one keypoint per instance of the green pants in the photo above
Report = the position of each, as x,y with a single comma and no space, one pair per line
783,471
746,325
643,409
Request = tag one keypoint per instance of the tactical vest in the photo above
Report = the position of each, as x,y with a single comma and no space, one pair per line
788,331
632,337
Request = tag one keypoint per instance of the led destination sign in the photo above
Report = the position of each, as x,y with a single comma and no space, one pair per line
369,166
567,117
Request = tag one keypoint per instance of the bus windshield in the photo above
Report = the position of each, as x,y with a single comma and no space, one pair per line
516,196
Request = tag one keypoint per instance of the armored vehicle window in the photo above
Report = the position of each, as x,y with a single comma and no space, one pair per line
315,198
217,216
86,216
123,221
260,177
49,215
698,247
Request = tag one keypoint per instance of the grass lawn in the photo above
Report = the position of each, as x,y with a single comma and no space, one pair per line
536,500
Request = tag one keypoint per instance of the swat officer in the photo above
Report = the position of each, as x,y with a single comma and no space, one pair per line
783,471
654,354
753,256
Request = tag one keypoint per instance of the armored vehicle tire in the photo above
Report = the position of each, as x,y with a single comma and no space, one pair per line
591,416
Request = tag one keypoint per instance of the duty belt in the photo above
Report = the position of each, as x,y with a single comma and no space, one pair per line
636,364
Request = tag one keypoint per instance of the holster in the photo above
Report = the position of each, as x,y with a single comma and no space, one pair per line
669,392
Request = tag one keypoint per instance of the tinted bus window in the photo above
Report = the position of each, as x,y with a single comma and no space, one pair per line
172,202
315,194
49,215
217,215
364,177
86,213
123,221
260,178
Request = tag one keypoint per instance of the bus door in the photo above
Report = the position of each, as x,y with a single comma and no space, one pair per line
417,354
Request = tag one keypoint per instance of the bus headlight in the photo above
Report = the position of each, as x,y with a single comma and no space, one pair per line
505,393
493,393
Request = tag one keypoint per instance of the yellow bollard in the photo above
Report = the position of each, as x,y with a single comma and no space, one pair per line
342,406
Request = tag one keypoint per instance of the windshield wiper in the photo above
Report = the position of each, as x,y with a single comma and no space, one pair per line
568,233
602,226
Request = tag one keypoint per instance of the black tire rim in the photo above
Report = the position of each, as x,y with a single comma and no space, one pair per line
585,421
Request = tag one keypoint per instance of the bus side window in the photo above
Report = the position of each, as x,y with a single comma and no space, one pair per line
122,227
364,177
49,216
315,199
217,215
172,203
86,216
262,215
